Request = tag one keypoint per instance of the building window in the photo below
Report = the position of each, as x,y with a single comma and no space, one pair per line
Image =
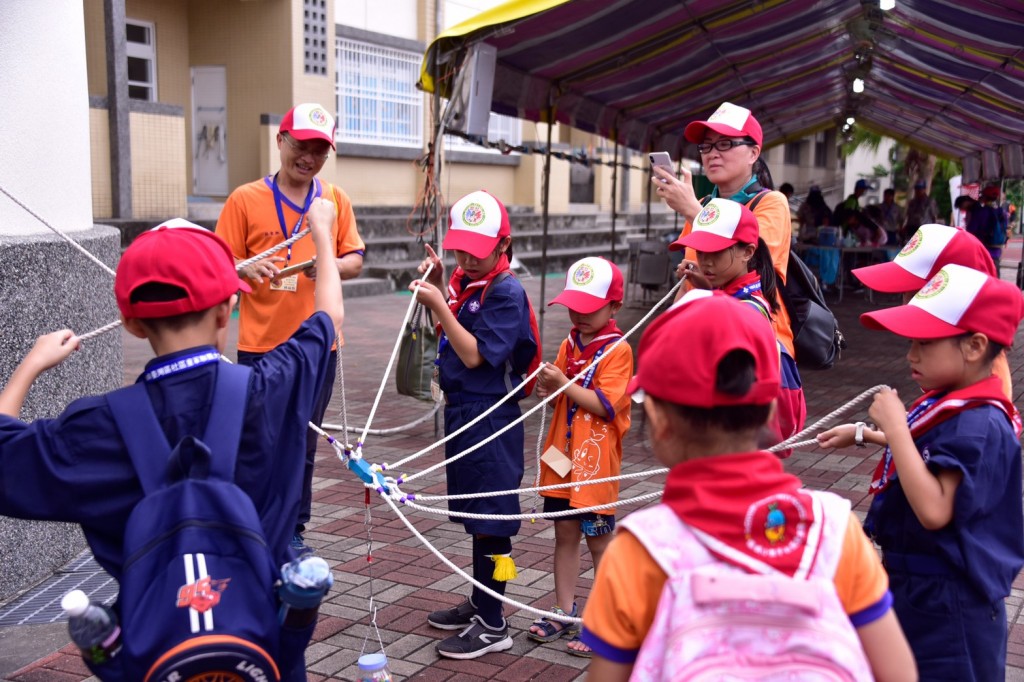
821,145
141,50
793,153
378,102
314,35
500,128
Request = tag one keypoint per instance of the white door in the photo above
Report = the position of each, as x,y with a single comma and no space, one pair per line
209,131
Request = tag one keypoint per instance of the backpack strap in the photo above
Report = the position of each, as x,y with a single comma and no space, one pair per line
500,277
147,443
752,204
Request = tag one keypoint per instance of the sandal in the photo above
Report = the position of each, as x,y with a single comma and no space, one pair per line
582,653
553,629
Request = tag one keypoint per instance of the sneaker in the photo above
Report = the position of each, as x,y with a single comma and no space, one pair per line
455,618
298,543
476,640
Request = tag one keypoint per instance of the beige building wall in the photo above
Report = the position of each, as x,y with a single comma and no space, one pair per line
253,41
99,162
95,48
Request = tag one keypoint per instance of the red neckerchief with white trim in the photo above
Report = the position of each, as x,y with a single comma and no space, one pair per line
746,510
935,407
576,359
459,294
748,287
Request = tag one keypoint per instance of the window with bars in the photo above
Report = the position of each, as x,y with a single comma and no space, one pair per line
141,49
378,102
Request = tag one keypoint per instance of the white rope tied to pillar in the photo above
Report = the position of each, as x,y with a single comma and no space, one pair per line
60,234
391,361
539,406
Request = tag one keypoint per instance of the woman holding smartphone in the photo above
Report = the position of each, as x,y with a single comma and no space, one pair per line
730,150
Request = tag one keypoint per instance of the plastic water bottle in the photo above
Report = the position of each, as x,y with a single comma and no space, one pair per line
93,627
304,582
374,668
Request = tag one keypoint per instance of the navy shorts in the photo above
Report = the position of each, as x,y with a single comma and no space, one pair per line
591,523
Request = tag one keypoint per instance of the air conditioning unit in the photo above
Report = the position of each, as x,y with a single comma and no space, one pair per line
470,105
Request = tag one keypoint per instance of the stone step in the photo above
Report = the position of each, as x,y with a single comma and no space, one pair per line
366,286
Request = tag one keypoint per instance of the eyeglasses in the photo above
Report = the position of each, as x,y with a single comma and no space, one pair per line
723,145
303,150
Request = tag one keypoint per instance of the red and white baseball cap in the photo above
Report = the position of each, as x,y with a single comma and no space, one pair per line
590,284
930,249
729,120
180,254
309,121
957,300
477,222
680,352
719,225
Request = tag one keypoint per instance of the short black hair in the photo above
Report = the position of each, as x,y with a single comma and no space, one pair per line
786,188
735,375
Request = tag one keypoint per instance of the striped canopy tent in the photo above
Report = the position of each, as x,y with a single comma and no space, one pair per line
943,75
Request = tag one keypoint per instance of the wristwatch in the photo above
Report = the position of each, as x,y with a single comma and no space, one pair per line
858,435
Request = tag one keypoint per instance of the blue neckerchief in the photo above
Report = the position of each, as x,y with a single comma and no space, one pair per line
279,198
182,363
743,196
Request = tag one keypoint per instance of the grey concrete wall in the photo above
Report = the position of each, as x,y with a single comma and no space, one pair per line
48,285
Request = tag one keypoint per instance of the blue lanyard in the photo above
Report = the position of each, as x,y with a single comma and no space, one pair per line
181,364
570,412
279,197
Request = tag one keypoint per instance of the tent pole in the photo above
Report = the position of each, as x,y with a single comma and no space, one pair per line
615,179
647,227
544,221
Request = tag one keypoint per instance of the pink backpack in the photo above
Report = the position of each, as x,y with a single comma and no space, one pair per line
717,622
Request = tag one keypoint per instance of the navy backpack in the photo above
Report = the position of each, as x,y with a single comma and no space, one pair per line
197,596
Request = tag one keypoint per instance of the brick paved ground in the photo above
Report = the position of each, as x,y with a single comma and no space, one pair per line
407,581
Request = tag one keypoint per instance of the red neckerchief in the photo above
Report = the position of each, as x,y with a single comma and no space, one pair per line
935,407
457,294
746,510
748,287
578,358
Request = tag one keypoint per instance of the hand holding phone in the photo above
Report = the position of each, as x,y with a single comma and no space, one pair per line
663,160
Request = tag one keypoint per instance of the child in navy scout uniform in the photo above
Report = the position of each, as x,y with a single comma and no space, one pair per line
588,424
729,506
176,286
930,249
731,256
487,343
947,508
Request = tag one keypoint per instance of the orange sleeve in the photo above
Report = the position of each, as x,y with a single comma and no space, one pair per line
348,239
625,594
776,229
1001,368
613,376
231,225
861,581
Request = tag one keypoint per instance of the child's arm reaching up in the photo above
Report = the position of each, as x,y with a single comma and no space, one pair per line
931,495
49,350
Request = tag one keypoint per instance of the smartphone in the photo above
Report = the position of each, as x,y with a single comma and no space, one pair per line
298,267
663,160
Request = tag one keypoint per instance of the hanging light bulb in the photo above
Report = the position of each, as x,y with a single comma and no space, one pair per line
850,121
886,4
858,85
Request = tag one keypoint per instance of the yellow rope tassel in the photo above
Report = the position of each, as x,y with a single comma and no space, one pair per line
504,567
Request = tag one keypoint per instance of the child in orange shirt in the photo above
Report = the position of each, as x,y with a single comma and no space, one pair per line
736,517
585,438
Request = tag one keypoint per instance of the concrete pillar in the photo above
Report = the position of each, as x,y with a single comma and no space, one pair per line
48,284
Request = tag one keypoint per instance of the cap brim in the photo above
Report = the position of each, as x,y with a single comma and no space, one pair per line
889,278
694,131
633,389
244,286
910,322
579,302
475,245
706,242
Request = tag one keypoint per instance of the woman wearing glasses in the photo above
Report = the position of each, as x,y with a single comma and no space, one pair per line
729,143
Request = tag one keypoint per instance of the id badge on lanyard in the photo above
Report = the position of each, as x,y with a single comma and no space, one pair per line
279,199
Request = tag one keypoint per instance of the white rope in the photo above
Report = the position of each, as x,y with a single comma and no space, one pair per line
391,361
101,330
389,431
539,515
341,385
469,578
60,234
561,389
541,434
554,486
272,250
794,440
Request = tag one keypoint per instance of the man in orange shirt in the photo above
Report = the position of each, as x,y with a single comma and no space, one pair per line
264,213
